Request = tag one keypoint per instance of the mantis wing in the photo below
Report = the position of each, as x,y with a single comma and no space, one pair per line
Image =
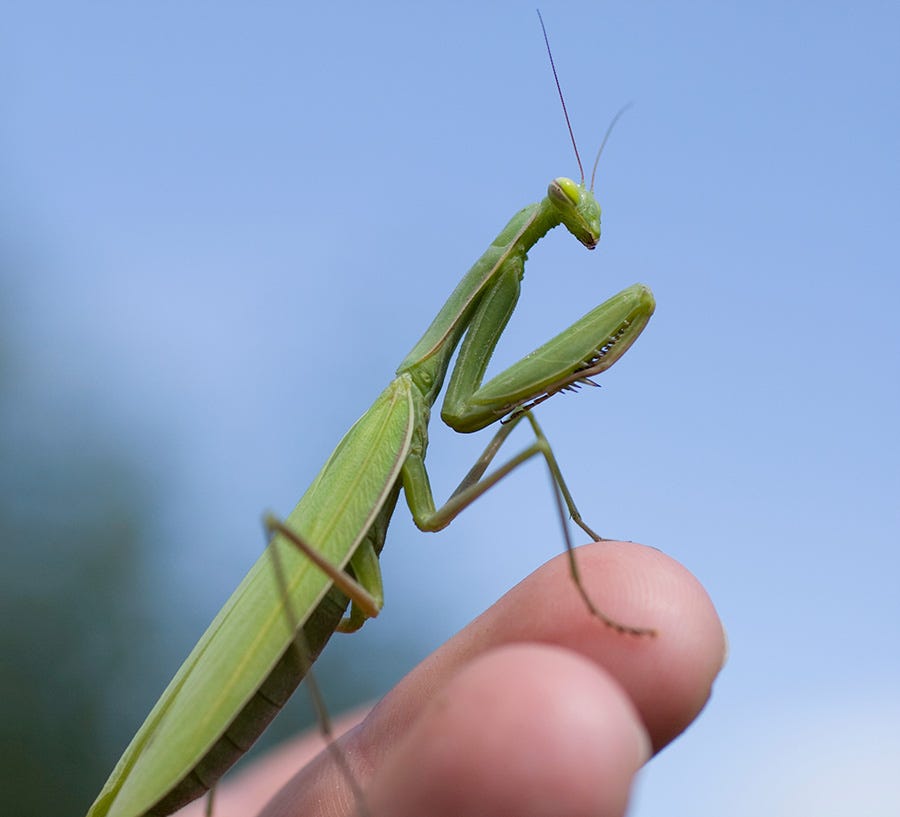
228,690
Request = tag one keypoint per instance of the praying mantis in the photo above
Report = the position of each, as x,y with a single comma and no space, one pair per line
324,555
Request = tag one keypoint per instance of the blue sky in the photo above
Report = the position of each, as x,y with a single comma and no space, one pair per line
246,214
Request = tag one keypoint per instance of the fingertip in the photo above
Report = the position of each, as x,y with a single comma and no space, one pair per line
669,675
672,680
523,729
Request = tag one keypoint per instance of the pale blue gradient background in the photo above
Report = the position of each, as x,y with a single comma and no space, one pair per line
245,214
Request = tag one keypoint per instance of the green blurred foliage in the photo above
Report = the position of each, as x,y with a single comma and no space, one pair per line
72,513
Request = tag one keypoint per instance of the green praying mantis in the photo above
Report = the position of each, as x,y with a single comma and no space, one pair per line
324,555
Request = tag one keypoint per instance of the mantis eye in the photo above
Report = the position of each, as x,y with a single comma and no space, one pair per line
564,191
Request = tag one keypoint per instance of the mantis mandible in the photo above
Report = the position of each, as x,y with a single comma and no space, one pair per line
324,555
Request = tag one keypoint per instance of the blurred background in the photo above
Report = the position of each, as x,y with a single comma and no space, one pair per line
223,225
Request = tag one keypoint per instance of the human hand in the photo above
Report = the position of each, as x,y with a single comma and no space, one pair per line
536,708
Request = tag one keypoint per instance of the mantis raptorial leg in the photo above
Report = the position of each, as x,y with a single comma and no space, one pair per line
272,629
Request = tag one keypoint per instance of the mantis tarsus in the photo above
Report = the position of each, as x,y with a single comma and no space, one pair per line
325,553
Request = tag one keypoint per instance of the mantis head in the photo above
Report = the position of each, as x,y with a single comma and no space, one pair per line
578,210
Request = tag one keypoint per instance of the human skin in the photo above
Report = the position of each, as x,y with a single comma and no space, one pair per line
534,709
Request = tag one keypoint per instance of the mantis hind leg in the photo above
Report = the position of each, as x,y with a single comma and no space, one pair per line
362,600
476,482
364,590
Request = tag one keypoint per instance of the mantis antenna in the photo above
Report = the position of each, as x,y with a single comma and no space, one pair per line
566,114
563,101
605,137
